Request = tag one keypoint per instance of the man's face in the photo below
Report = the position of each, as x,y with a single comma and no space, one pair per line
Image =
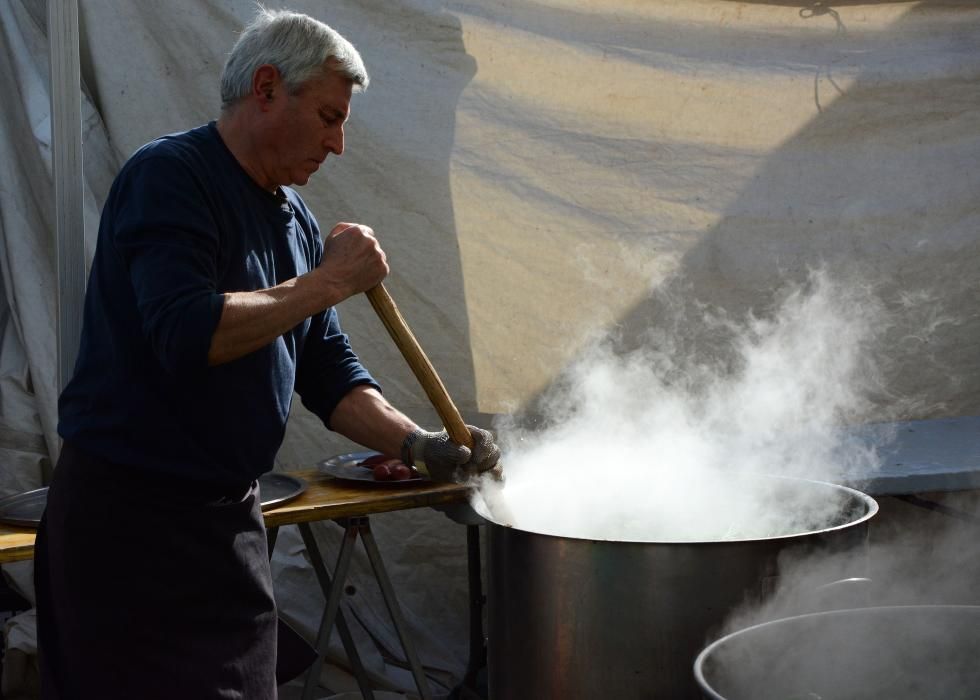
306,127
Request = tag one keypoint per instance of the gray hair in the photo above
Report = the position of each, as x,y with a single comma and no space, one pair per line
297,45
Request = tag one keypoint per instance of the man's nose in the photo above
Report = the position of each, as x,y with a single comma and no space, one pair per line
334,141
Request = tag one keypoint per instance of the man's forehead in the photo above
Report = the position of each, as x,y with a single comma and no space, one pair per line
329,82
328,91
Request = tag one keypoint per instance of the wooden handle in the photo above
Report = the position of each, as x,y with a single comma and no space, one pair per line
385,307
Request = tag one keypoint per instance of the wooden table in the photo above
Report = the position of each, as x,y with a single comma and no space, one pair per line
16,543
325,498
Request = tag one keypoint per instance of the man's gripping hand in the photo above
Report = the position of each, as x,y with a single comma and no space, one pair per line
353,261
444,460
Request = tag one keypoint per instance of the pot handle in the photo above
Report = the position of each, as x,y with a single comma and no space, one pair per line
842,594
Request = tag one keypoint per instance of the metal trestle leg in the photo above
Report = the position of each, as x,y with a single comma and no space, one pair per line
388,593
332,590
343,630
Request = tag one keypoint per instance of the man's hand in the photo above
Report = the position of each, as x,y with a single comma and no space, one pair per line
353,261
444,460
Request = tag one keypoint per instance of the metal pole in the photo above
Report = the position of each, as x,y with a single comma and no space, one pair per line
478,649
66,159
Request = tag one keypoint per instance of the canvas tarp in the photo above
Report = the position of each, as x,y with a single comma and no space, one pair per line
540,172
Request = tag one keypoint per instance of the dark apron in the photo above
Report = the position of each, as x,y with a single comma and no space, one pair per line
149,589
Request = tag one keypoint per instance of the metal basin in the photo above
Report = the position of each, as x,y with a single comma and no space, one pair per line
899,653
578,618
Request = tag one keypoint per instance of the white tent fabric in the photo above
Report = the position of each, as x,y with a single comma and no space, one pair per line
28,363
540,172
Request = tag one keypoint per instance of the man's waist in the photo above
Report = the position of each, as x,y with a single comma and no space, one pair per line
176,484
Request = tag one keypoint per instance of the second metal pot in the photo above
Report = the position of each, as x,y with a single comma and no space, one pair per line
897,652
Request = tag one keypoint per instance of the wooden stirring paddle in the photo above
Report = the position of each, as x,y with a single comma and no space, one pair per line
417,360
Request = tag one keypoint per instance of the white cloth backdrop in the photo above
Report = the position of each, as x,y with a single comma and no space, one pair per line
539,172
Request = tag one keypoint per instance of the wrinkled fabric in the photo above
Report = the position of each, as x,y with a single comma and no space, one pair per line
539,173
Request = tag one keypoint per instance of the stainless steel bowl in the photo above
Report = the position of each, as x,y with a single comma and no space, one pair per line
577,618
898,652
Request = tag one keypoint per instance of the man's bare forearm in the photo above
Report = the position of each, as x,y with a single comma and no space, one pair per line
367,418
251,320
352,262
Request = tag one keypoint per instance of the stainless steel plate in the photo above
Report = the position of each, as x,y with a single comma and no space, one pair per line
276,488
24,509
347,467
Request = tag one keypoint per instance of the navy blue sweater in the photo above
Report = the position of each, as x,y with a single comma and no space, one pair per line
183,224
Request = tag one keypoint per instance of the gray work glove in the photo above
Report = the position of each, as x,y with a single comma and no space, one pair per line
444,460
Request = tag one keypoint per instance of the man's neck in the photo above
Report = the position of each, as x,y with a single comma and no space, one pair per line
239,141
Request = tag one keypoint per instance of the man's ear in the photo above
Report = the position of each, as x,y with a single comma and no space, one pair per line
266,83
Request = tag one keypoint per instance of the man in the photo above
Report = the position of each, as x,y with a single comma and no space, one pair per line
210,300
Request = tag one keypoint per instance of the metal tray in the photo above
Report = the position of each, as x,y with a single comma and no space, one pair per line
25,509
347,468
277,488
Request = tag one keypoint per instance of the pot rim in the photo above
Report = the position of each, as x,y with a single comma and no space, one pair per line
825,614
870,503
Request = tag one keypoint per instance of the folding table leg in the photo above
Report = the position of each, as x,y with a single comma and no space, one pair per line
331,609
309,541
388,593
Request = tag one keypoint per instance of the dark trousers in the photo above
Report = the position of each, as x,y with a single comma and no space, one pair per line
148,588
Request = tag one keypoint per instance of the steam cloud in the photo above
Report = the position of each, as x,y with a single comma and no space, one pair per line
661,445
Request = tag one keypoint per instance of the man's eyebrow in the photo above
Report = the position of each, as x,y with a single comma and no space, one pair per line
333,111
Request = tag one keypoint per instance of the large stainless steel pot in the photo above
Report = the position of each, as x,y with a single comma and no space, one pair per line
899,653
592,619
